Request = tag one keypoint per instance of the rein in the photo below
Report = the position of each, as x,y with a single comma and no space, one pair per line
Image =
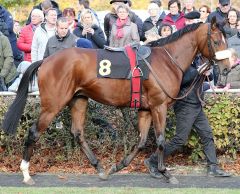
161,86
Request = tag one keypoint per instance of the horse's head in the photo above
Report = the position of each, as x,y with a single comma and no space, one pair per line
215,46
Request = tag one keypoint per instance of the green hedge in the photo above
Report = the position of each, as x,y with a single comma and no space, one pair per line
223,113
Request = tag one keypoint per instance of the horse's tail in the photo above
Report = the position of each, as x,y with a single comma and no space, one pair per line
15,111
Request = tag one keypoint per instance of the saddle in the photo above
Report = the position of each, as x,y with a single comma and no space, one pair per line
134,52
142,52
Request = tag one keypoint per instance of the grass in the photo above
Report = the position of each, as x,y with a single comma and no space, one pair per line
112,190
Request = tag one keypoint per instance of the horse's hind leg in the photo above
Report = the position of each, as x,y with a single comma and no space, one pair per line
78,111
144,123
46,116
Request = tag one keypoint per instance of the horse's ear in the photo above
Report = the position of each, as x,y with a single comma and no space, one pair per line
214,23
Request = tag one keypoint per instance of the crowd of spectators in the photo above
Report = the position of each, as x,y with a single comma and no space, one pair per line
121,27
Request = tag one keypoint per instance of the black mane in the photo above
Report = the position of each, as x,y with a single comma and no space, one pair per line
176,35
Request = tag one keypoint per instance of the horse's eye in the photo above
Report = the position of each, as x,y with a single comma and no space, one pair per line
216,42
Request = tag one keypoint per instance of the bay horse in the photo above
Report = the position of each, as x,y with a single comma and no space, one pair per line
73,71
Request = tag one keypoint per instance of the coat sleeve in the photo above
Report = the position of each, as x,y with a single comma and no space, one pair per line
8,57
34,47
21,42
134,33
9,21
98,38
189,75
46,53
107,27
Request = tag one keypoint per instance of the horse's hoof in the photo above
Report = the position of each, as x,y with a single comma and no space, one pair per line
113,169
173,180
103,176
29,181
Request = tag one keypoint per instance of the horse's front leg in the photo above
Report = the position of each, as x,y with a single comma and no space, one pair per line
159,114
144,122
78,113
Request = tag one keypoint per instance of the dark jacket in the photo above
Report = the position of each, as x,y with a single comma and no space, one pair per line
7,17
220,16
98,39
54,4
229,31
188,77
147,25
55,43
111,18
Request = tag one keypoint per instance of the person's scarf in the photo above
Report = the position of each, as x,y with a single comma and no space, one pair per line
120,24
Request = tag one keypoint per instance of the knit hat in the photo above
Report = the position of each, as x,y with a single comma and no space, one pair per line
84,43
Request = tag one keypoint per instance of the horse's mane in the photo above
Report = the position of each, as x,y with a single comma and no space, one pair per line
176,35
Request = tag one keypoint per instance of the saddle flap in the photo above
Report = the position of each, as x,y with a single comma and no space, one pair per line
143,52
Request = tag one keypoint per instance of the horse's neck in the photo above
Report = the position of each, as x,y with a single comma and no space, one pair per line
185,51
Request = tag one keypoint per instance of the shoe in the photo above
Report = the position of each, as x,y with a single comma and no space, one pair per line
215,171
152,169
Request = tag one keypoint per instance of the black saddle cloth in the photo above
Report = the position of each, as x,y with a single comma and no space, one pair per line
116,65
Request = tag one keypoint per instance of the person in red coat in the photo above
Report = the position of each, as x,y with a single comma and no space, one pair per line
24,41
175,18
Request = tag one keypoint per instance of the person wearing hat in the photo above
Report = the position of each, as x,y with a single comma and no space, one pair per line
111,18
221,11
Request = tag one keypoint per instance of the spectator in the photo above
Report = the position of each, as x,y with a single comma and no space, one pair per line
233,77
165,30
88,28
6,27
230,27
123,30
84,4
42,34
221,11
175,17
8,70
189,6
111,18
16,28
24,42
69,13
45,6
161,11
204,11
62,39
154,21
234,41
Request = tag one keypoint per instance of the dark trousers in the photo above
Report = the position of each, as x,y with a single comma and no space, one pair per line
190,116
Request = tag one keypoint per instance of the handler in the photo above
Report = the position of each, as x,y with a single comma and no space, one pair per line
189,113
